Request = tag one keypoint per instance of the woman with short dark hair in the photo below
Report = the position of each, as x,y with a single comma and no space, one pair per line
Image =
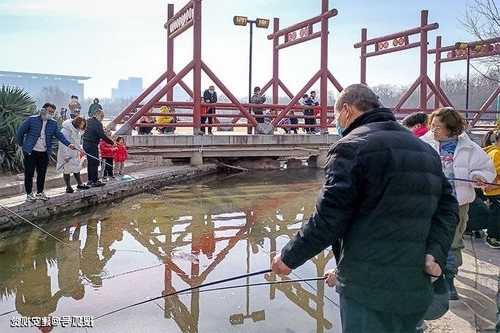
68,161
461,158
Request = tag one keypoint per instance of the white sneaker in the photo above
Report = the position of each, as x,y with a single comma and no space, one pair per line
30,197
41,196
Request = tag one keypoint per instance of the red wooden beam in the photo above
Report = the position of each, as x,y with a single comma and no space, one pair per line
334,81
471,44
407,94
486,105
266,86
136,116
299,40
300,25
178,14
285,88
294,100
186,88
229,95
138,100
472,56
439,93
393,49
405,33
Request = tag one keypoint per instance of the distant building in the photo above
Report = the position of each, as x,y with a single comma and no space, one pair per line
33,83
130,88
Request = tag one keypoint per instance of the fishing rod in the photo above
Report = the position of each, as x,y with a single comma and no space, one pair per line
267,283
33,224
185,290
65,162
471,181
101,160
94,157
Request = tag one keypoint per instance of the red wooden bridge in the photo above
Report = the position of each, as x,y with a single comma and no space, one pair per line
239,114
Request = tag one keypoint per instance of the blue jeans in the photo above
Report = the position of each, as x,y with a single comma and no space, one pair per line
356,318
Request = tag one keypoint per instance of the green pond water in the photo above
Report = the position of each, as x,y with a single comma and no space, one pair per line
181,236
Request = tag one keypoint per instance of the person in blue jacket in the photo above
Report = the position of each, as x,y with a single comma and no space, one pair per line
35,136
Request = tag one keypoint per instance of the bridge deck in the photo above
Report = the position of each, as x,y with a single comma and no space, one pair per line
178,146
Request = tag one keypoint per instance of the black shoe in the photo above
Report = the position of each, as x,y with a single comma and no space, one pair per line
83,187
452,291
99,184
69,190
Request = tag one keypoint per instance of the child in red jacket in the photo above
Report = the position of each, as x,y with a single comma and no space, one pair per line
107,152
121,155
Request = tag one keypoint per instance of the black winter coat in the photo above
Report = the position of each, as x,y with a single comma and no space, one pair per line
386,197
95,132
208,97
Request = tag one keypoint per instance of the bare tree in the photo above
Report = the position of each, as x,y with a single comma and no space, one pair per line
482,20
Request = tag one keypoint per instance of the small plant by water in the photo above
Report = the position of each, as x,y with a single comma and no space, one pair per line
15,106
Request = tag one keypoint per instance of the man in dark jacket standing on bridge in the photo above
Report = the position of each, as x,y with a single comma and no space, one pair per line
387,202
91,138
209,96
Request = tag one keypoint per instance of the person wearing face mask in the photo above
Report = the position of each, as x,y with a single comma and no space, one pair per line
68,161
35,136
91,138
389,213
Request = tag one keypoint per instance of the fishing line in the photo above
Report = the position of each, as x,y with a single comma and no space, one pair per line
94,157
267,283
186,290
471,181
34,225
6,313
295,274
62,165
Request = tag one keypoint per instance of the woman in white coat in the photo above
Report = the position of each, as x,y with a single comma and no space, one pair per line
68,161
463,159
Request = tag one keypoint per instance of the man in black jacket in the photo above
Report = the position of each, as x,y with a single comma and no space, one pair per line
387,203
209,96
93,134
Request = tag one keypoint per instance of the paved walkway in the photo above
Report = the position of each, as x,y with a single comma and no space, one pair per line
478,286
62,203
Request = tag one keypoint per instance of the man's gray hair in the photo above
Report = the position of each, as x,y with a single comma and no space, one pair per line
360,96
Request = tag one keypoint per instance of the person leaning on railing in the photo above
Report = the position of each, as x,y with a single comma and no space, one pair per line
165,119
258,98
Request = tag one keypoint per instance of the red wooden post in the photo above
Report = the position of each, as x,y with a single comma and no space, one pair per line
423,60
197,66
364,36
276,61
170,55
437,70
324,68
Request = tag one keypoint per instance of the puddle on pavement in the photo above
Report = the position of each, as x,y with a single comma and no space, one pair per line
153,244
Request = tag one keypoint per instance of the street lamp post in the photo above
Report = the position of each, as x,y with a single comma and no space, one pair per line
259,23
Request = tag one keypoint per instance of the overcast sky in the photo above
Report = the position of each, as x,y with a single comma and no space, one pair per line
109,40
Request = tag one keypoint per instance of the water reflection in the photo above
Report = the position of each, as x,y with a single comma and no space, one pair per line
198,233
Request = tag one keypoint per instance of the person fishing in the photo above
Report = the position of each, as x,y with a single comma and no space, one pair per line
91,138
35,136
464,159
389,212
